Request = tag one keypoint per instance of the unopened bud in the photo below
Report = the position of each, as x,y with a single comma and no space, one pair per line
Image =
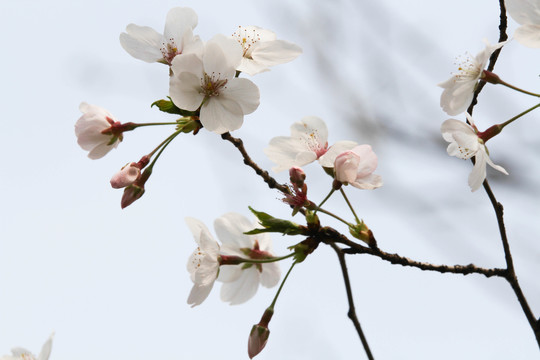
297,176
258,337
126,176
131,194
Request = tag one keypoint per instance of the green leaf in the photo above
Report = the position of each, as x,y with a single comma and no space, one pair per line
169,107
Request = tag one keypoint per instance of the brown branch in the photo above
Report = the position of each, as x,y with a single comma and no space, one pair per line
272,183
330,235
352,310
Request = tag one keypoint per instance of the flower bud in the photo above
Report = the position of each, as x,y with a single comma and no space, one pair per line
346,166
126,176
297,176
259,334
131,194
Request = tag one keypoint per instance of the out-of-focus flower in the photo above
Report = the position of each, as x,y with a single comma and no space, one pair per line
95,131
262,49
527,14
144,43
126,176
459,89
203,264
308,142
356,166
23,354
464,144
209,82
242,281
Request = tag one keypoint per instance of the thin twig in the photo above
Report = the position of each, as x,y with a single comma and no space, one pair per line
352,310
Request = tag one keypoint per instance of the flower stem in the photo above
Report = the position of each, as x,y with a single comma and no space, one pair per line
326,198
518,116
504,83
281,286
334,216
162,147
350,206
264,261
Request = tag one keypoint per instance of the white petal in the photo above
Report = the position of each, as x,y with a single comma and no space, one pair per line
524,11
251,67
275,52
287,152
457,95
478,173
222,55
197,228
368,160
46,349
229,273
369,182
198,294
142,42
528,35
241,290
220,115
101,150
190,63
184,90
178,21
311,127
327,160
244,92
270,275
230,230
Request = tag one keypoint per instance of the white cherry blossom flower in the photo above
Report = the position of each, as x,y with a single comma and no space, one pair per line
261,49
203,264
459,89
355,167
308,142
242,281
23,354
92,131
146,44
209,82
527,14
464,144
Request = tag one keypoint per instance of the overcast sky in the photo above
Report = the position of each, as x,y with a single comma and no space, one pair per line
112,283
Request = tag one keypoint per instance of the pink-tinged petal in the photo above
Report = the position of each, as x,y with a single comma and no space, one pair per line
46,349
178,21
368,160
528,35
244,92
230,230
346,166
275,52
229,273
264,239
126,176
270,275
221,115
243,289
369,182
198,294
142,42
184,90
327,160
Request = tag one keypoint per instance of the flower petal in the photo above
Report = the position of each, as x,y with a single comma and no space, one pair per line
46,349
230,230
327,160
220,115
244,92
142,42
271,273
528,35
243,289
198,294
184,90
478,173
178,21
229,273
275,52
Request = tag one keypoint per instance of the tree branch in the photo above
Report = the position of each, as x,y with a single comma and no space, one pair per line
352,310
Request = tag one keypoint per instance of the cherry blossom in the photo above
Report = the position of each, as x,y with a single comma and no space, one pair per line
527,14
203,264
242,281
308,142
464,144
459,89
23,354
94,131
126,176
261,49
355,167
144,43
208,82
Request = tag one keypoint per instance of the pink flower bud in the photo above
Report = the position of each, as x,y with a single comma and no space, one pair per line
297,176
126,176
257,340
131,194
356,166
91,131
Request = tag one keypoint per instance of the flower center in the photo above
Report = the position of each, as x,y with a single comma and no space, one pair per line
313,143
212,84
169,50
468,68
198,256
247,38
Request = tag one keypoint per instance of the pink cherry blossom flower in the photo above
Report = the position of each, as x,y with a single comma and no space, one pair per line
356,166
208,82
261,49
242,281
94,131
23,354
126,176
464,144
459,89
308,142
527,14
144,43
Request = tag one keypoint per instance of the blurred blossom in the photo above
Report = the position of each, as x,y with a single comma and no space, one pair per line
527,14
23,354
355,167
242,281
144,43
308,142
459,89
261,49
464,144
209,82
94,131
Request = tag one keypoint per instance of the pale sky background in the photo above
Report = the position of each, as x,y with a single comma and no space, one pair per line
112,283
